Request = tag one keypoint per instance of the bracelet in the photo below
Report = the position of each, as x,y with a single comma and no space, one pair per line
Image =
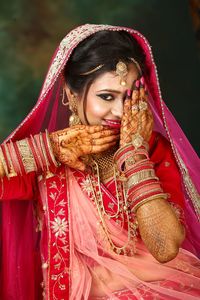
3,163
49,149
2,188
141,176
14,157
26,156
145,200
12,171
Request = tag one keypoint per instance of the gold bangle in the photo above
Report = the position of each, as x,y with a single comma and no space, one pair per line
2,171
26,156
141,176
3,161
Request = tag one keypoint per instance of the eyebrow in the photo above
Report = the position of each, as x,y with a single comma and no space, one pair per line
109,90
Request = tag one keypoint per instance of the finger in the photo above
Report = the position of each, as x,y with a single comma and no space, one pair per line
135,93
126,110
95,128
79,165
101,148
104,133
143,90
105,140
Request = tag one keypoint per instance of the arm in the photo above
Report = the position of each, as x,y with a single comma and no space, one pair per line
20,164
148,183
160,229
21,161
159,225
33,154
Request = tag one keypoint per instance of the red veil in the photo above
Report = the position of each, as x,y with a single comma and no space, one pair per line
20,264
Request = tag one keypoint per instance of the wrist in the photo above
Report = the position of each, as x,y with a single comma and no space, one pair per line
27,155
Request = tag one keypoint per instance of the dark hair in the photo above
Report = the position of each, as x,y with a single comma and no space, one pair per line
104,47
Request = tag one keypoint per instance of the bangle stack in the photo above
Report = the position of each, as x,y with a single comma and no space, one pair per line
138,177
27,155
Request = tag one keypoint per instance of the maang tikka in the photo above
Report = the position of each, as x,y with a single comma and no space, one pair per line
122,72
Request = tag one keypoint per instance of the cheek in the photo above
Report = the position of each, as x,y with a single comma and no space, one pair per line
97,108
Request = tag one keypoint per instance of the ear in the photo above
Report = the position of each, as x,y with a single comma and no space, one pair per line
70,94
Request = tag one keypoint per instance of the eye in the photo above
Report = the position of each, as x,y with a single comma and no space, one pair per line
106,97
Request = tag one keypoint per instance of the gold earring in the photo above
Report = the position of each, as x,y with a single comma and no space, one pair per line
74,118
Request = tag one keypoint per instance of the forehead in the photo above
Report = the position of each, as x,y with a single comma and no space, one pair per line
110,80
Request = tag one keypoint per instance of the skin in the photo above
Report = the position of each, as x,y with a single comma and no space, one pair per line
105,99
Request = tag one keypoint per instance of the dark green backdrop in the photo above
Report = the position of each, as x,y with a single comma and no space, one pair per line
30,31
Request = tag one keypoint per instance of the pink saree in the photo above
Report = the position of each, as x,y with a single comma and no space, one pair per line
75,262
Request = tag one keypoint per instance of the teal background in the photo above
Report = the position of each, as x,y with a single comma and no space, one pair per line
31,30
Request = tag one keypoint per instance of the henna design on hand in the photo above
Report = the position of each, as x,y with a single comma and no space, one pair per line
134,119
160,229
72,143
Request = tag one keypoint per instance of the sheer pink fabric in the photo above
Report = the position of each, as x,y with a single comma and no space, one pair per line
97,272
20,261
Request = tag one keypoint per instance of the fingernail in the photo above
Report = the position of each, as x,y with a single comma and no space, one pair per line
128,93
137,84
142,80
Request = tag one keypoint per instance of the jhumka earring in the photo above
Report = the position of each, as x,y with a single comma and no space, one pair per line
74,118
122,71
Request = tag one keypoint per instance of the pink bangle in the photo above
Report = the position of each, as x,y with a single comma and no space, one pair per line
146,198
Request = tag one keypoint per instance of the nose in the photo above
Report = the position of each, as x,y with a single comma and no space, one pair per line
117,108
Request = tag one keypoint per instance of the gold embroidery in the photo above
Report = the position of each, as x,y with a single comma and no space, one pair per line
59,228
191,189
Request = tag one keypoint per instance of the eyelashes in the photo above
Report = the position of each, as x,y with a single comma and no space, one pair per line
106,96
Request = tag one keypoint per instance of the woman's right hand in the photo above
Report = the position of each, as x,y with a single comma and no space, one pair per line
71,143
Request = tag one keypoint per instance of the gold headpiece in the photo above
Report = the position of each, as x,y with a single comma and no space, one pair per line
122,71
93,70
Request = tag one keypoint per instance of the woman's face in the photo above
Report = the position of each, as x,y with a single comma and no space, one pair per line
104,102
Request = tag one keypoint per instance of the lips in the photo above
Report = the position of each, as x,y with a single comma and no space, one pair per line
112,123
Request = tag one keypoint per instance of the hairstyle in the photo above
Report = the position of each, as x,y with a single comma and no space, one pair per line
106,48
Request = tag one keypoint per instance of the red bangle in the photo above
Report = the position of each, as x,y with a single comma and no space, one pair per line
23,171
37,163
14,158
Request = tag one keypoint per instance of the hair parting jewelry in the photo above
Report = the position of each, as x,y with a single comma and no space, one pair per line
93,70
137,65
121,69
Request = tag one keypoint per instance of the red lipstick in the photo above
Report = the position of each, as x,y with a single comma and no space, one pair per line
112,123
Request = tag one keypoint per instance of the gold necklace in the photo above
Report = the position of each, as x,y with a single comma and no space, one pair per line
122,211
104,161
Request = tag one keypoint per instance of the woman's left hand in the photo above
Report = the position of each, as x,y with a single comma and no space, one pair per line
137,116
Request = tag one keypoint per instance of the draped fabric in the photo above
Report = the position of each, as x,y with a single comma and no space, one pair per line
21,249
